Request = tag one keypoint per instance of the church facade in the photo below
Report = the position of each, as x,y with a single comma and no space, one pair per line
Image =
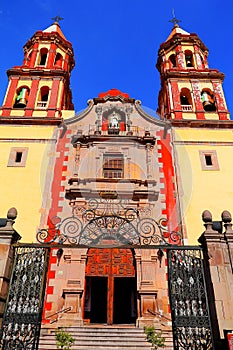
117,185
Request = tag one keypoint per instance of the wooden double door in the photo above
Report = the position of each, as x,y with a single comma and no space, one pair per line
110,292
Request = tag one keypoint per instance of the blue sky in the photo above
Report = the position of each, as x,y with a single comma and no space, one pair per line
116,42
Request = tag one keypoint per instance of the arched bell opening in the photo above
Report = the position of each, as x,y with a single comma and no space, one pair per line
22,95
28,59
208,100
58,60
186,100
43,97
189,59
172,61
203,61
42,59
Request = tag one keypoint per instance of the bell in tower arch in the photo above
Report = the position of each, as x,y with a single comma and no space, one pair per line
208,101
21,98
189,58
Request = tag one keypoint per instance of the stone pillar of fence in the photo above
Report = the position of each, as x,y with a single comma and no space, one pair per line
217,241
8,236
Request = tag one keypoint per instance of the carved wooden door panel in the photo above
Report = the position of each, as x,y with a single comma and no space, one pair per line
110,263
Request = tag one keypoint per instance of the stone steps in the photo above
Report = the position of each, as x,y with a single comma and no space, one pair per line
102,338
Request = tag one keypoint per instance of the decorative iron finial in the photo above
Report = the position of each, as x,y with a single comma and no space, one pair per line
174,20
57,19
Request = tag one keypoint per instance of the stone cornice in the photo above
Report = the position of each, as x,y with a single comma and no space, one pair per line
135,181
30,121
178,39
8,236
196,123
113,98
193,74
38,71
45,36
89,139
76,192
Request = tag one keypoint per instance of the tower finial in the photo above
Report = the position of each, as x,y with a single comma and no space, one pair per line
57,19
174,20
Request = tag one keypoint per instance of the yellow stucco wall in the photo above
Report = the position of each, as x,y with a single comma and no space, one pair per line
23,187
203,189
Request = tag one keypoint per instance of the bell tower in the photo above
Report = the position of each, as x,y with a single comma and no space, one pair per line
40,87
189,88
37,100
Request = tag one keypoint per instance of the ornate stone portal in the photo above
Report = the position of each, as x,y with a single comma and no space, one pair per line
117,265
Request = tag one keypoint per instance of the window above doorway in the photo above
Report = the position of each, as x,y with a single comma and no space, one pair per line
113,166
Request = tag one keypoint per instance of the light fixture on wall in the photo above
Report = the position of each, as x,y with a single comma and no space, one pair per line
59,255
160,255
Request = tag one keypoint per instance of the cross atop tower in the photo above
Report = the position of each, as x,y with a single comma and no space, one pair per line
57,19
174,20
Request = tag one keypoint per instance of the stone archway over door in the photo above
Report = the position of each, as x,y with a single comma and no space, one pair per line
110,293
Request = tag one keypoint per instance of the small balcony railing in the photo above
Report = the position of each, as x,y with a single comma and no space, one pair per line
187,108
133,130
42,104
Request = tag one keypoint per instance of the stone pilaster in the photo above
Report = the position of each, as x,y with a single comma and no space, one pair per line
68,293
151,287
218,248
8,236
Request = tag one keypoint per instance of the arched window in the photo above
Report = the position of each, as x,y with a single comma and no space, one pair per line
43,97
21,99
186,100
208,101
43,56
58,60
189,58
172,60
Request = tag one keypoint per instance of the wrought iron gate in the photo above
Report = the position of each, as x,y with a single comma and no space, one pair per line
187,292
23,313
188,300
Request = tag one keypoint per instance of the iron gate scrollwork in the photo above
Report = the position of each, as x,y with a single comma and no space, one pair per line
188,300
23,312
108,220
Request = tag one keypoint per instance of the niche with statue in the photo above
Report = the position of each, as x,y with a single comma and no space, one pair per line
113,121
